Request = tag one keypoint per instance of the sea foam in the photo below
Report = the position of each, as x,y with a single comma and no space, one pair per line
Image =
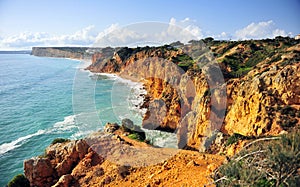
18,142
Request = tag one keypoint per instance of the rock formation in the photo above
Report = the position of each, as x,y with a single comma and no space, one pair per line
193,100
112,159
59,160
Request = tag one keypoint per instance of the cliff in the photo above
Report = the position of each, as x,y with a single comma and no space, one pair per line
62,52
259,95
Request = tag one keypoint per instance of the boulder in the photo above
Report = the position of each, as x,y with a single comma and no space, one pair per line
111,127
39,172
128,126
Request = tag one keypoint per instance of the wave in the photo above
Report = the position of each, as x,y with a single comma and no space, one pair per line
162,139
18,142
110,76
67,124
81,134
83,64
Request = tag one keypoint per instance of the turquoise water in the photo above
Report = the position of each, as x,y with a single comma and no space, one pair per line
46,98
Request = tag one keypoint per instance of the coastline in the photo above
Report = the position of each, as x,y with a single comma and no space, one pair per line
251,113
137,88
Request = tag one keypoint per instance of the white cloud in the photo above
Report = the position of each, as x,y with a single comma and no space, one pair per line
26,40
149,33
115,35
221,36
145,33
259,30
83,36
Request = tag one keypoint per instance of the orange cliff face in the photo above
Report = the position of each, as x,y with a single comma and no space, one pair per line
176,100
258,100
181,101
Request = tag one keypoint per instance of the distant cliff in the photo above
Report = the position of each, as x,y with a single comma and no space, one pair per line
61,52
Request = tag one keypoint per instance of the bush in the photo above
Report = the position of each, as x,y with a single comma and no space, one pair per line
19,181
59,140
269,162
235,138
288,110
288,117
136,136
135,132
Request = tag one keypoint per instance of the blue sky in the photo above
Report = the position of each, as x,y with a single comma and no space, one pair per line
24,24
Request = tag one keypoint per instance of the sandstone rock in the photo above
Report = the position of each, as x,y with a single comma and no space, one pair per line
111,127
39,172
252,113
60,159
58,52
64,181
212,167
191,163
76,150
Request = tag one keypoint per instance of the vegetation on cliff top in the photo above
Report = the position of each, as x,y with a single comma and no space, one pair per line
239,57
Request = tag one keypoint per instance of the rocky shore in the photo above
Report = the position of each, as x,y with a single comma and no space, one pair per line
111,158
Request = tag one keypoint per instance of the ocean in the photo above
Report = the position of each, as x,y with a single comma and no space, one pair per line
46,98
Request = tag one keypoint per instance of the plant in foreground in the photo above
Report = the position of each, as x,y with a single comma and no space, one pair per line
265,162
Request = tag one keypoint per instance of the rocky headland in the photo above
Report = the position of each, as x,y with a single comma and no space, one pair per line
217,96
260,82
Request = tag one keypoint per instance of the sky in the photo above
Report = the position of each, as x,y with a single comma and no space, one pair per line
28,23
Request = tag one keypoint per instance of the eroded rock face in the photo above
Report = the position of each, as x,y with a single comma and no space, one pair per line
64,181
255,100
194,103
39,172
60,159
111,127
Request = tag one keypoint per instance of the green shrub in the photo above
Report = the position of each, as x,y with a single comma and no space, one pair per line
268,162
184,61
19,181
235,138
59,140
275,59
136,136
288,110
